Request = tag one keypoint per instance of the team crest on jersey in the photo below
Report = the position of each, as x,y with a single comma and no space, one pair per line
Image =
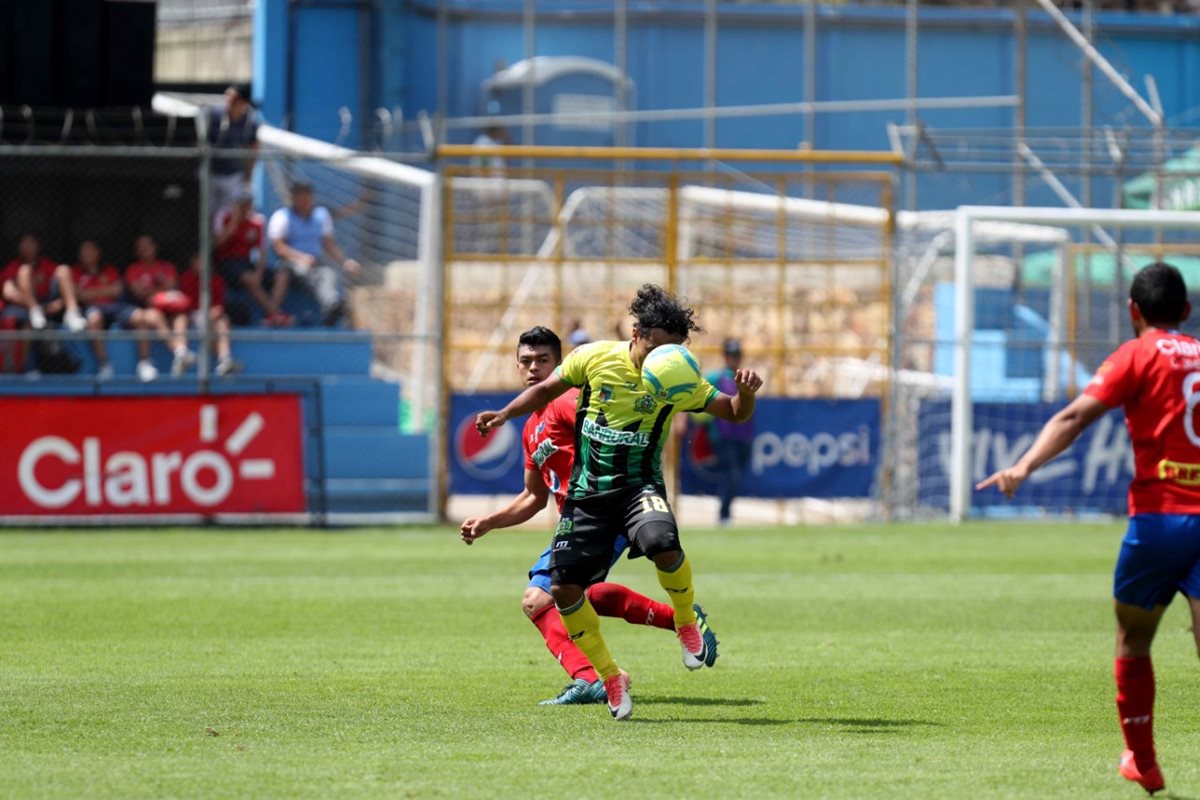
606,393
645,405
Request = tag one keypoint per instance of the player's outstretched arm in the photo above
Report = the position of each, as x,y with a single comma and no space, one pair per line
739,407
522,508
1056,436
528,401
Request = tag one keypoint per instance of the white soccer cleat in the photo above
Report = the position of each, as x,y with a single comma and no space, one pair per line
37,318
620,704
691,639
146,371
74,321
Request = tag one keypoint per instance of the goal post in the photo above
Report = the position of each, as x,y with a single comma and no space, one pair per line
967,220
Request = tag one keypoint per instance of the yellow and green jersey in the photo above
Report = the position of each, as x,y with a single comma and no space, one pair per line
620,428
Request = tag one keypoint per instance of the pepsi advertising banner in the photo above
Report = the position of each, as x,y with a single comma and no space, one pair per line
494,465
1091,476
800,448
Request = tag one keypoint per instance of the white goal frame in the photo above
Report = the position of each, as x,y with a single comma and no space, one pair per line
965,220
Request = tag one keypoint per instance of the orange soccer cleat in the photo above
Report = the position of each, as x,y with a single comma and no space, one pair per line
1151,780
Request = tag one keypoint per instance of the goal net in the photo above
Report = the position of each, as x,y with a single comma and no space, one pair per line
385,216
1017,325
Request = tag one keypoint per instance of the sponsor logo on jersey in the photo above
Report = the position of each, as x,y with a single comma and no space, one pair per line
645,405
485,458
543,452
1183,474
605,435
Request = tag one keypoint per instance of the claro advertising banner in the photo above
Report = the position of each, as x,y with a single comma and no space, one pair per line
150,455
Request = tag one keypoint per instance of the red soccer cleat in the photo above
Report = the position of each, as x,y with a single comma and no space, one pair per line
1151,780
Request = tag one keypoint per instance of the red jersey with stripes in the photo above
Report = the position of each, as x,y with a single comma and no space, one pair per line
549,442
1156,379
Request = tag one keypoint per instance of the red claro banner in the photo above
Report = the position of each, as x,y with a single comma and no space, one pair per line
84,456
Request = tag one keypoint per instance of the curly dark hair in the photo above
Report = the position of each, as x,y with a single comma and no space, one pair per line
655,307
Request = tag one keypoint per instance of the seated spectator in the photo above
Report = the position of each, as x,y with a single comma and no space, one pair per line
239,251
218,320
36,290
301,235
147,280
99,288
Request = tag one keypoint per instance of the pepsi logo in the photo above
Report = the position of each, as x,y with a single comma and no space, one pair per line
482,458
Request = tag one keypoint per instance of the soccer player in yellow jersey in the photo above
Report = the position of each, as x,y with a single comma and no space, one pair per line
616,481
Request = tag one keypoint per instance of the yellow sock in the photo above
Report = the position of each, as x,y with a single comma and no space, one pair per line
678,583
583,626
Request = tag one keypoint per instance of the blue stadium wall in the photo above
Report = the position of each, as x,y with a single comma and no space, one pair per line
309,63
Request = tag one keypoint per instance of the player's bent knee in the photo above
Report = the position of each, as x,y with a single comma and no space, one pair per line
565,594
534,600
658,537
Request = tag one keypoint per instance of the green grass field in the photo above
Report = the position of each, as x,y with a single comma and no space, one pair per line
897,661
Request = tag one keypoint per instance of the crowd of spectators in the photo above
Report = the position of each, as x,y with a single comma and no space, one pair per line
151,297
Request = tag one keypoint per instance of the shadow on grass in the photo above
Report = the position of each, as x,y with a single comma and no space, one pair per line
1173,796
869,723
848,725
714,720
698,701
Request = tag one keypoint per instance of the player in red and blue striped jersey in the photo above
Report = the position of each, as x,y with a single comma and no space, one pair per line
548,440
1155,378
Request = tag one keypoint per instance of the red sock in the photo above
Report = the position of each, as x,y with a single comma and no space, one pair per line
1135,707
615,600
570,657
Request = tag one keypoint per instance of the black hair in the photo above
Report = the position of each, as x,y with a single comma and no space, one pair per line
1160,294
655,307
541,336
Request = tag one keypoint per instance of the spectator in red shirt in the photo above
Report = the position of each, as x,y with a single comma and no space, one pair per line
148,280
239,251
99,288
218,320
36,289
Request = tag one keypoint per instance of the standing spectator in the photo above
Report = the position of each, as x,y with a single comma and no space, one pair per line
300,235
218,320
36,289
731,441
492,136
239,251
578,335
147,280
231,126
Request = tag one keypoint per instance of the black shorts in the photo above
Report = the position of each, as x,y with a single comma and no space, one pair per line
582,551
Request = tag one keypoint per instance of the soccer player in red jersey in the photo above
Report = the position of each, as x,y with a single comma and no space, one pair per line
548,439
1155,378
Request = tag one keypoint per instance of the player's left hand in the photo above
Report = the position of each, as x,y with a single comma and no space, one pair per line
352,267
472,528
1006,480
747,381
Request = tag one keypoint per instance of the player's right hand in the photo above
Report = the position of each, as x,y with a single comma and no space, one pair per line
1007,481
488,421
472,528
